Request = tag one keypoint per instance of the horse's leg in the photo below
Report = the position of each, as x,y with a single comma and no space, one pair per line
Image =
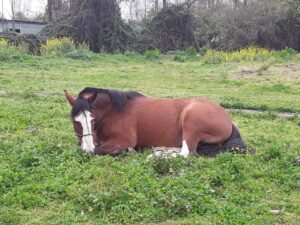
190,133
113,147
189,143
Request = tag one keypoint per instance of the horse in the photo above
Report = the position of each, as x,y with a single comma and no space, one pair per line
109,122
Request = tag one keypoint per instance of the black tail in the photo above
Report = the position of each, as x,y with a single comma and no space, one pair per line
234,144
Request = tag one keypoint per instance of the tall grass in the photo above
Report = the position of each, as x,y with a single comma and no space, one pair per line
65,47
247,55
9,53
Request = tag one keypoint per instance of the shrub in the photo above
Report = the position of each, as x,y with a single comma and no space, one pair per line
286,54
202,51
152,54
58,47
3,43
10,52
242,55
78,55
180,56
189,54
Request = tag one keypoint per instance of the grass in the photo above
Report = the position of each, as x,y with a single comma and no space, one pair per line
46,179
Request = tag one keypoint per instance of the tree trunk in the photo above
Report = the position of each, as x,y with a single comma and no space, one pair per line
50,9
236,3
156,6
164,3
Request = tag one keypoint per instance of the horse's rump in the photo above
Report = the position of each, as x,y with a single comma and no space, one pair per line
233,144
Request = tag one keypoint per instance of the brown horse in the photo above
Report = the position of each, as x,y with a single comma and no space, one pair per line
110,122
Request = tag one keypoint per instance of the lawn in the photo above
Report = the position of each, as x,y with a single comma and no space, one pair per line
46,179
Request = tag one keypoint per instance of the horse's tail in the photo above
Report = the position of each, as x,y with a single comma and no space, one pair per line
234,144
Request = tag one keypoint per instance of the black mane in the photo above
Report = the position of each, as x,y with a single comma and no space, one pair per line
80,105
118,99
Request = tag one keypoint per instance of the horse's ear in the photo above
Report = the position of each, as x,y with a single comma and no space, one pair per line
70,98
90,97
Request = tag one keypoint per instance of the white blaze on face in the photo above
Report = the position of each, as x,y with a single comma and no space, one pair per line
87,142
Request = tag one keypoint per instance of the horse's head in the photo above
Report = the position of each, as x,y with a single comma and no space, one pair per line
83,122
89,110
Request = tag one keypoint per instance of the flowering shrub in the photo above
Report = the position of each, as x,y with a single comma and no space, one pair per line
152,54
65,47
3,43
242,55
12,52
58,47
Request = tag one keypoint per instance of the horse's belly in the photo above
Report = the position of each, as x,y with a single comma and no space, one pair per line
159,136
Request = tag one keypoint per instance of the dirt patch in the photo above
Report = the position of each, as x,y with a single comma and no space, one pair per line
291,71
245,73
2,92
265,72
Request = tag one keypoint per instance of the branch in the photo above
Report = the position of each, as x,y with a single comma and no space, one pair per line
190,3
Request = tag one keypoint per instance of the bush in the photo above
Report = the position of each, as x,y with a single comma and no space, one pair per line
242,55
286,54
10,52
189,54
152,54
180,56
78,55
58,47
66,47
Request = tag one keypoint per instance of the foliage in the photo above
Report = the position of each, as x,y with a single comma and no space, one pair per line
152,54
170,30
65,47
99,24
286,54
46,179
95,22
189,54
9,53
58,46
31,42
269,24
247,54
60,27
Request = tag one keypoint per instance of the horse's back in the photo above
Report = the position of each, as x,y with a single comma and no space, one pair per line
161,121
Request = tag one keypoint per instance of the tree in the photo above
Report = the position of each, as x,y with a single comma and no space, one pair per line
164,3
56,8
99,23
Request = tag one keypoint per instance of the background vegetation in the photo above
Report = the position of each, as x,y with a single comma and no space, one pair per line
170,25
46,179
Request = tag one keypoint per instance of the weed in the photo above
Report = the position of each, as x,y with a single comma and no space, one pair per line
189,54
58,47
11,53
245,55
152,54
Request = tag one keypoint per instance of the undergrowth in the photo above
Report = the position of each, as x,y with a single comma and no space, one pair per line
247,55
12,53
59,47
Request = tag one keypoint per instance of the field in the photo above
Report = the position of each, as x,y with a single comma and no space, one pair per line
46,179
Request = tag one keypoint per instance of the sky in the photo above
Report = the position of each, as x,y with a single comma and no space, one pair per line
29,7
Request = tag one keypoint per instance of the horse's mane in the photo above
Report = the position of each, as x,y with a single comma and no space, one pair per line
118,99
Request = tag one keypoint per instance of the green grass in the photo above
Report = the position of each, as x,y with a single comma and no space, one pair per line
46,179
